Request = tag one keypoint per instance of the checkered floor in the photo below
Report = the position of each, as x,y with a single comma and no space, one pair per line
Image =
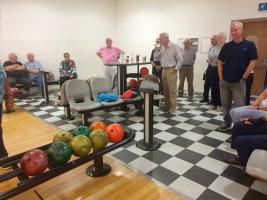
190,159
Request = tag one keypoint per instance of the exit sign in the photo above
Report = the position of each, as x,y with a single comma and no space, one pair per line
263,6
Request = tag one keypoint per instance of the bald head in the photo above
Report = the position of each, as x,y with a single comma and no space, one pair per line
109,42
30,57
236,29
187,43
12,57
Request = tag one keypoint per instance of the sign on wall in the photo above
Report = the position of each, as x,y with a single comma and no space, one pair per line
263,6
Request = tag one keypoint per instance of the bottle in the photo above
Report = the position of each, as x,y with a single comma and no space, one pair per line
137,58
132,58
127,60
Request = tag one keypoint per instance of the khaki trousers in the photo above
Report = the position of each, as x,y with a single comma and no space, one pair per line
186,72
169,84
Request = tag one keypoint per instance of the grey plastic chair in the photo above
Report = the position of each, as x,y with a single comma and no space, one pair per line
100,85
79,98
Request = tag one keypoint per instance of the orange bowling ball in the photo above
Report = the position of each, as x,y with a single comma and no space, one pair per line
144,71
132,83
115,132
97,125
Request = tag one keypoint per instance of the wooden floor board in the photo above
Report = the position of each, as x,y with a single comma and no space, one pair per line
23,132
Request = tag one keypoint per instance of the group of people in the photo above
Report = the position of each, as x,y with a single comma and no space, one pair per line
229,75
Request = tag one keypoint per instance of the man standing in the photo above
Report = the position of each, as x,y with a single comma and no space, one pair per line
109,55
17,73
34,67
156,66
236,61
207,74
186,71
171,60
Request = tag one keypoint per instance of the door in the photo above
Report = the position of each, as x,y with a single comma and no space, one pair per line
258,28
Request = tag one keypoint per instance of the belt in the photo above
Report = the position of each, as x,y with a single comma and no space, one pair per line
168,67
187,65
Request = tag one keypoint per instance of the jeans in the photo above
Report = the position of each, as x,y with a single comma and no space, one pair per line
3,151
38,80
215,87
249,83
247,138
207,83
242,112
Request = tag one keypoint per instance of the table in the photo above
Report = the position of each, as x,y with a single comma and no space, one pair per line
122,74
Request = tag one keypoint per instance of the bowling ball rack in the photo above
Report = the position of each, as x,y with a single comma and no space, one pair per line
27,182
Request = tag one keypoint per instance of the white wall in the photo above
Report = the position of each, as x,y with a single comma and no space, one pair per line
139,22
49,28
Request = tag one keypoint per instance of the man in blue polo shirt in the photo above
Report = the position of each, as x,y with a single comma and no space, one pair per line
236,61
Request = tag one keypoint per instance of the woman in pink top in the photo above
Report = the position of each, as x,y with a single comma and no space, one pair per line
109,55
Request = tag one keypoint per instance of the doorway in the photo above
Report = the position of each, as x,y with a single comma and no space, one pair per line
258,28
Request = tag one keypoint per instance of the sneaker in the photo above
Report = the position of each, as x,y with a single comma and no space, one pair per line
172,111
224,128
213,108
203,100
219,109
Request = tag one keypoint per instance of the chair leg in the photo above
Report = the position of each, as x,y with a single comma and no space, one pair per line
68,113
84,119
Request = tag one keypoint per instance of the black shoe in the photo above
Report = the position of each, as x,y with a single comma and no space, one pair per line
232,161
203,100
224,128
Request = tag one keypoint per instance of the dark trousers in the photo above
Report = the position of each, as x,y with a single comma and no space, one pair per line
207,85
215,87
3,151
249,83
62,79
26,82
159,75
247,138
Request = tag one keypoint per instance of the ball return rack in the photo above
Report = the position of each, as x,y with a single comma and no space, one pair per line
27,182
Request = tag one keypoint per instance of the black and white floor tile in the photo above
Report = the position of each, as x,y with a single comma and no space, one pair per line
190,159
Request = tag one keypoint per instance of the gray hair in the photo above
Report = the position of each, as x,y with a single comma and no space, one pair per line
223,35
187,40
164,34
238,23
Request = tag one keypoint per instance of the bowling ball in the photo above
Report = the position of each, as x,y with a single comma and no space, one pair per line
81,130
81,145
97,125
115,132
144,71
63,136
59,153
99,139
133,83
34,162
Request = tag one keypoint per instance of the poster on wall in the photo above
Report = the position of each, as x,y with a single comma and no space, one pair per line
194,42
205,44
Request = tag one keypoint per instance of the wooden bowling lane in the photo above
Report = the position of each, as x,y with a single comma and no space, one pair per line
22,132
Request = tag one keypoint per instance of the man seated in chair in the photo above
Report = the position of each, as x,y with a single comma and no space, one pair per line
248,135
17,73
34,67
